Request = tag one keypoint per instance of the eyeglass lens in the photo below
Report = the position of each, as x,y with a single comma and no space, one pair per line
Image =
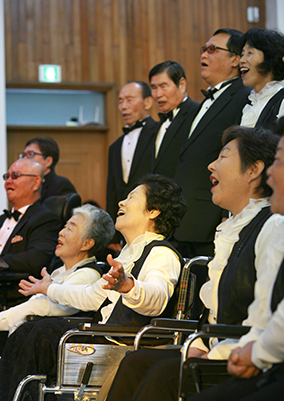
29,154
210,49
16,174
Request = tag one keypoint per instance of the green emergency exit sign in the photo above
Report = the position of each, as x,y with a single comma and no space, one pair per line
49,73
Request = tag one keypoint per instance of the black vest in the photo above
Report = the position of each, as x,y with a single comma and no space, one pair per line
125,316
236,286
278,289
270,111
92,265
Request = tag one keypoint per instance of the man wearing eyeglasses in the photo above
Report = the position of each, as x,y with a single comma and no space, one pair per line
29,231
221,108
46,152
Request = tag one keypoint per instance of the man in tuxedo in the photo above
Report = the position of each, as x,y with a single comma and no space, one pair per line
168,86
29,232
130,155
46,152
221,109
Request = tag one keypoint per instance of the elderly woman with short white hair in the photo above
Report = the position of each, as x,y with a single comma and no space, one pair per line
85,234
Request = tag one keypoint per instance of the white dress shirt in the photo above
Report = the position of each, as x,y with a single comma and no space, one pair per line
8,227
128,147
163,129
207,104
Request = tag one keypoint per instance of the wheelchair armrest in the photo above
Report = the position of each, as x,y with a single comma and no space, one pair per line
70,319
174,324
122,331
9,276
107,327
224,330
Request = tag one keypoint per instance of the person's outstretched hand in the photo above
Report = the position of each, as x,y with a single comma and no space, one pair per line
35,286
116,277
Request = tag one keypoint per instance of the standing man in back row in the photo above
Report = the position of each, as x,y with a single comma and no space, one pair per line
168,86
46,152
131,154
221,108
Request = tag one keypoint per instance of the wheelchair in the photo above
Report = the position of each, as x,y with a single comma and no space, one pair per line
86,370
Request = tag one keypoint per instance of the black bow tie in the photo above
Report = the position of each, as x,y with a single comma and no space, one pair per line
164,116
138,124
209,94
170,115
16,214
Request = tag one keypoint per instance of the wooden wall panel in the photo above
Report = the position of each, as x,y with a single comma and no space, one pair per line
82,158
113,41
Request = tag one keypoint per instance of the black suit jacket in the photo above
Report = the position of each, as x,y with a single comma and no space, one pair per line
117,189
197,152
55,185
168,154
31,244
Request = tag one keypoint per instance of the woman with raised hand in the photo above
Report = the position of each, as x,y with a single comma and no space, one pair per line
262,69
139,286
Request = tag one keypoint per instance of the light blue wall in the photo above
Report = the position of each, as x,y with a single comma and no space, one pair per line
53,107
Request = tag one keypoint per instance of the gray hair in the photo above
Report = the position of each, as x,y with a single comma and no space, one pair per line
99,226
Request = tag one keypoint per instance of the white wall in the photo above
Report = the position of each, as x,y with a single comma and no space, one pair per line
3,134
274,14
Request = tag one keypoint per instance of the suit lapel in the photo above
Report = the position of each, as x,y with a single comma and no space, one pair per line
171,132
29,212
145,137
2,219
214,110
118,162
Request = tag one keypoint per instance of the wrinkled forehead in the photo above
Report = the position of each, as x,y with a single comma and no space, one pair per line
221,40
130,90
139,190
21,165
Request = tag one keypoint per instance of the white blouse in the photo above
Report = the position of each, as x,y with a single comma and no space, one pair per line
227,234
251,112
152,289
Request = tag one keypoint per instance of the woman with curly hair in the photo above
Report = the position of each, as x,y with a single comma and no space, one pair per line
139,285
262,69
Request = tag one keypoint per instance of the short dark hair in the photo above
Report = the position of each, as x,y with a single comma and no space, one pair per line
234,41
271,43
48,147
165,195
145,89
254,144
174,70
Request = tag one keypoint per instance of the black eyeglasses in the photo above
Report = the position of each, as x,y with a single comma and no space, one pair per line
212,48
16,174
30,154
